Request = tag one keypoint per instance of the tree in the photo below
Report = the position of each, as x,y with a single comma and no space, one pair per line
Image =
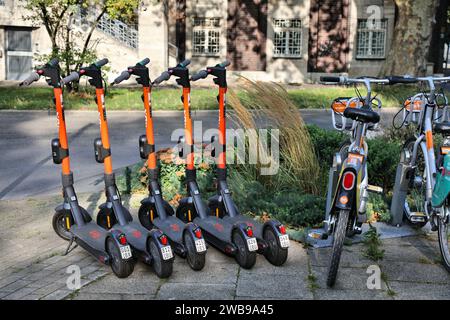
412,37
71,44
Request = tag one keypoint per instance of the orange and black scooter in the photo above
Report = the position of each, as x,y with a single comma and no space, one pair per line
152,247
186,238
71,221
271,236
235,239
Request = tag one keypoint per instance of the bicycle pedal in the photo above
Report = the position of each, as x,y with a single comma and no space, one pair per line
374,189
418,217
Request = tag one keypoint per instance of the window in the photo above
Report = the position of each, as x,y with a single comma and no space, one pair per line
371,40
206,36
2,2
287,40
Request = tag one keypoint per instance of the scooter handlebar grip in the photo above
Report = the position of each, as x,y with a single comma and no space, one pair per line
74,76
163,77
225,64
101,63
330,79
31,78
401,79
54,62
185,63
125,75
144,62
202,74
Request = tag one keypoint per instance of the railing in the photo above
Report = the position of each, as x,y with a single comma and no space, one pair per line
119,31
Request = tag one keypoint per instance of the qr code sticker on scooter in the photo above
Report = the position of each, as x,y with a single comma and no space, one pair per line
252,244
125,252
200,245
284,241
167,253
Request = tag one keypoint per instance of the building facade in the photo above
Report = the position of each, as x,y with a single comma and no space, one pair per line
289,41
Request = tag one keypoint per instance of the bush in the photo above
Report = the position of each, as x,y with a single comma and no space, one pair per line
383,158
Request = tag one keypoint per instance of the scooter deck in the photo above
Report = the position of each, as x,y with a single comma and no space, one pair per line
256,226
91,238
172,227
215,227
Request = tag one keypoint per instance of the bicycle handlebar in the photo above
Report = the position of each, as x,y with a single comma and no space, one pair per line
401,79
330,79
31,78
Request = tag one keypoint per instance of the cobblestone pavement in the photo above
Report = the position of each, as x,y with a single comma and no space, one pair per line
32,267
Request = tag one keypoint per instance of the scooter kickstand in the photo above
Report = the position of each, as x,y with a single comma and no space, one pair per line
68,250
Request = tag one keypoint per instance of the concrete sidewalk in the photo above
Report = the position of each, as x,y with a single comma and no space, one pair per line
32,267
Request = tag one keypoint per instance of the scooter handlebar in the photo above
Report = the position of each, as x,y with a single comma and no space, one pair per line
202,74
185,63
225,64
125,75
31,78
144,62
74,76
163,77
101,63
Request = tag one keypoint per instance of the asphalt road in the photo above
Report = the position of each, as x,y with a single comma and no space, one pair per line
26,167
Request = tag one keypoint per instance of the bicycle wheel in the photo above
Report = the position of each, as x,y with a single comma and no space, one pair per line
415,203
444,237
338,243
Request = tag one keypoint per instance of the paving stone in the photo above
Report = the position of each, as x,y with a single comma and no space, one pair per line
333,294
415,272
4,294
196,291
419,291
8,280
45,290
132,284
419,254
277,286
138,297
352,256
57,295
18,294
31,297
347,278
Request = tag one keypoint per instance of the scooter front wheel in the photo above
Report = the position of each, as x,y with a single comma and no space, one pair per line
121,268
147,213
338,243
61,222
275,254
245,258
163,268
195,260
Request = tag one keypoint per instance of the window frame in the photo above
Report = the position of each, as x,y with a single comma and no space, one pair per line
206,28
288,30
383,29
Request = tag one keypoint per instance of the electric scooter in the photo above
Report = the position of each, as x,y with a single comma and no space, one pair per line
71,221
186,239
152,247
234,239
271,236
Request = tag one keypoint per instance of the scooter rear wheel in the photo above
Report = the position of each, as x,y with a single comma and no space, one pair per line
275,254
121,268
163,268
195,260
245,258
146,218
59,223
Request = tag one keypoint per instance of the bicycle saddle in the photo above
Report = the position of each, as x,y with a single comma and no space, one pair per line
443,127
362,115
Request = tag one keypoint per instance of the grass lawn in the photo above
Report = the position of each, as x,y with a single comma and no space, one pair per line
39,98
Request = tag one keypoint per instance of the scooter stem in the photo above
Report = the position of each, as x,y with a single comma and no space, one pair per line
104,135
222,129
65,166
189,143
151,161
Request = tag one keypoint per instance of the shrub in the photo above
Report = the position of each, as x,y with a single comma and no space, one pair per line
383,158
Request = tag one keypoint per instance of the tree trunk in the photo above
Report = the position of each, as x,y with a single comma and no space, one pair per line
412,36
